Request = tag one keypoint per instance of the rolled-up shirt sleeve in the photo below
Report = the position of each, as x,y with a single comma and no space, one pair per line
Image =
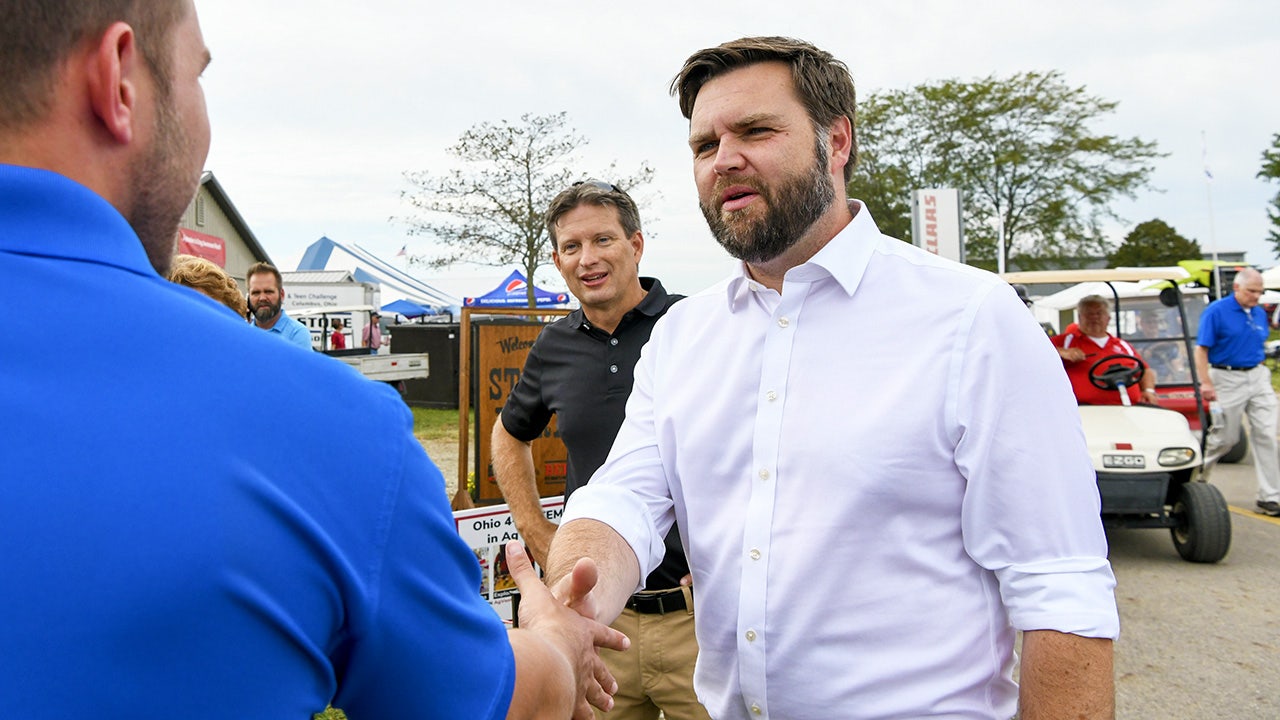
630,493
1031,508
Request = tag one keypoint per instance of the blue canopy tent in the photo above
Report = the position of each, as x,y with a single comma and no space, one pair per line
408,309
513,292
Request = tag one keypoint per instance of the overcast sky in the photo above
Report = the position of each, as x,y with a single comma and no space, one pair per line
319,106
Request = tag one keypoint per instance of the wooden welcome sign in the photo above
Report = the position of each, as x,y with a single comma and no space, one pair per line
492,356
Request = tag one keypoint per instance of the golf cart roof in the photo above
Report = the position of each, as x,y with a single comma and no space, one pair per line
1101,275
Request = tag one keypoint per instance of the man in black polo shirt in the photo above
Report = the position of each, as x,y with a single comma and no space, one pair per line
581,370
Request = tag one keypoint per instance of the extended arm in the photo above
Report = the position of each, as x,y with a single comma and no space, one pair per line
557,668
1148,385
513,470
618,567
1070,354
1202,372
1066,676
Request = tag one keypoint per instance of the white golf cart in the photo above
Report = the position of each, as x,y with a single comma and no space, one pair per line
1148,459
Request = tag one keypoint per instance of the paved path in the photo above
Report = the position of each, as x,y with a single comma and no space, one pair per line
1201,641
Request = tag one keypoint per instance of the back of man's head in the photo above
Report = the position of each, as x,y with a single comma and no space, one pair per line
36,36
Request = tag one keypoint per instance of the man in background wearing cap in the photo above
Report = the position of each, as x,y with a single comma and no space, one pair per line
372,335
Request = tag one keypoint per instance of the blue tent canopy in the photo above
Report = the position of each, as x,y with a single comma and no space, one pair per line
407,309
513,292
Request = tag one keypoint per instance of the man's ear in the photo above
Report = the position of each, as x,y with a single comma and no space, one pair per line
116,68
637,243
841,144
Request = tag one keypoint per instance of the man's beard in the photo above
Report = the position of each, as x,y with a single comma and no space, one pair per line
163,187
266,312
792,208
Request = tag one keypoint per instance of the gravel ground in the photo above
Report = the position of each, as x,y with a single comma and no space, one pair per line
445,455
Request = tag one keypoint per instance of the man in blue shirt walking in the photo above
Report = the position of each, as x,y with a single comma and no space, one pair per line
1229,362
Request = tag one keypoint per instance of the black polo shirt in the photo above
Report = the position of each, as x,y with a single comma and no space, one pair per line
583,376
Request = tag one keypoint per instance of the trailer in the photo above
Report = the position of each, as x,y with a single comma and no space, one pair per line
391,368
387,368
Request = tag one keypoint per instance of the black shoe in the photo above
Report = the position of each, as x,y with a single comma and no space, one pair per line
1269,507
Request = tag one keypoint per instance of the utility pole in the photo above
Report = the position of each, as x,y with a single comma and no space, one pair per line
1208,193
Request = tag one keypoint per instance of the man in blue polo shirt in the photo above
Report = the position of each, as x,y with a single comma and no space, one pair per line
1229,362
266,304
165,553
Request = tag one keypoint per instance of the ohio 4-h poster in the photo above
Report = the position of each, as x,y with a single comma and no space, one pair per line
487,530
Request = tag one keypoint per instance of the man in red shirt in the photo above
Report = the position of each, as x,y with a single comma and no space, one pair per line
1080,348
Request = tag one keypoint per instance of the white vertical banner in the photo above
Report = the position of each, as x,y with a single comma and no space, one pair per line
936,223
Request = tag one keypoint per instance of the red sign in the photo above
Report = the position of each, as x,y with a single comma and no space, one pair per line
209,247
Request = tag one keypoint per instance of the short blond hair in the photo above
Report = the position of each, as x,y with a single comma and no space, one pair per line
206,277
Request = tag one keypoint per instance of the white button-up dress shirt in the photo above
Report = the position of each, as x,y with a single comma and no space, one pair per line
878,474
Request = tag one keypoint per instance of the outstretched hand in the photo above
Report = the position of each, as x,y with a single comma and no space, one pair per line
562,621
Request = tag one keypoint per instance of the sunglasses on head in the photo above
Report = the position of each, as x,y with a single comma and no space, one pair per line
599,185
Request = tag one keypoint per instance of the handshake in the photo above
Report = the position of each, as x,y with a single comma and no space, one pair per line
559,672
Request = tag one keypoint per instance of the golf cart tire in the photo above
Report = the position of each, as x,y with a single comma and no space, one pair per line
1203,530
1237,451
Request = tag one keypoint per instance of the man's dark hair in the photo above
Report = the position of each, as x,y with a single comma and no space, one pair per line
260,268
593,192
822,82
37,35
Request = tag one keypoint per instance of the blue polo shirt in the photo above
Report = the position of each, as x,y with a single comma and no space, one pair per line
1234,336
291,330
185,534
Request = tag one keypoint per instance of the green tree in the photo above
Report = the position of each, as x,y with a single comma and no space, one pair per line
1019,147
1153,243
490,211
1271,171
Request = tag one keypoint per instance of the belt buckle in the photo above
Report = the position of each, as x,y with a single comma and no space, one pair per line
656,603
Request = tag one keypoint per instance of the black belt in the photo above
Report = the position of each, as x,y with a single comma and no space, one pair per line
657,603
1233,367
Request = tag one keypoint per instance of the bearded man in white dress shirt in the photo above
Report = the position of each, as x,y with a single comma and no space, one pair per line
876,491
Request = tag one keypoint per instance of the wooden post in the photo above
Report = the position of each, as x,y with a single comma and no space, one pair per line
463,499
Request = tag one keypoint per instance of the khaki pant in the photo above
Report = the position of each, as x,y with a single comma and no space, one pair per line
1248,394
656,672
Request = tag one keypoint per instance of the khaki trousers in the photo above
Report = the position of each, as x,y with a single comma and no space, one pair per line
1248,394
656,672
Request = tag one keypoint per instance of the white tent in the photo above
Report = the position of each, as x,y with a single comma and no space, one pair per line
396,284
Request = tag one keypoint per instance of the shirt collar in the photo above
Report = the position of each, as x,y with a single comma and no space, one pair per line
844,258
281,322
653,303
47,214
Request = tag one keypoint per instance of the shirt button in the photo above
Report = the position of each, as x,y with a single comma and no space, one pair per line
613,341
751,636
755,554
771,395
764,474
755,709
783,322
613,368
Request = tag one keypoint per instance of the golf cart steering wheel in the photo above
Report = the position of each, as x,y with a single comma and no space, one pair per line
1126,369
